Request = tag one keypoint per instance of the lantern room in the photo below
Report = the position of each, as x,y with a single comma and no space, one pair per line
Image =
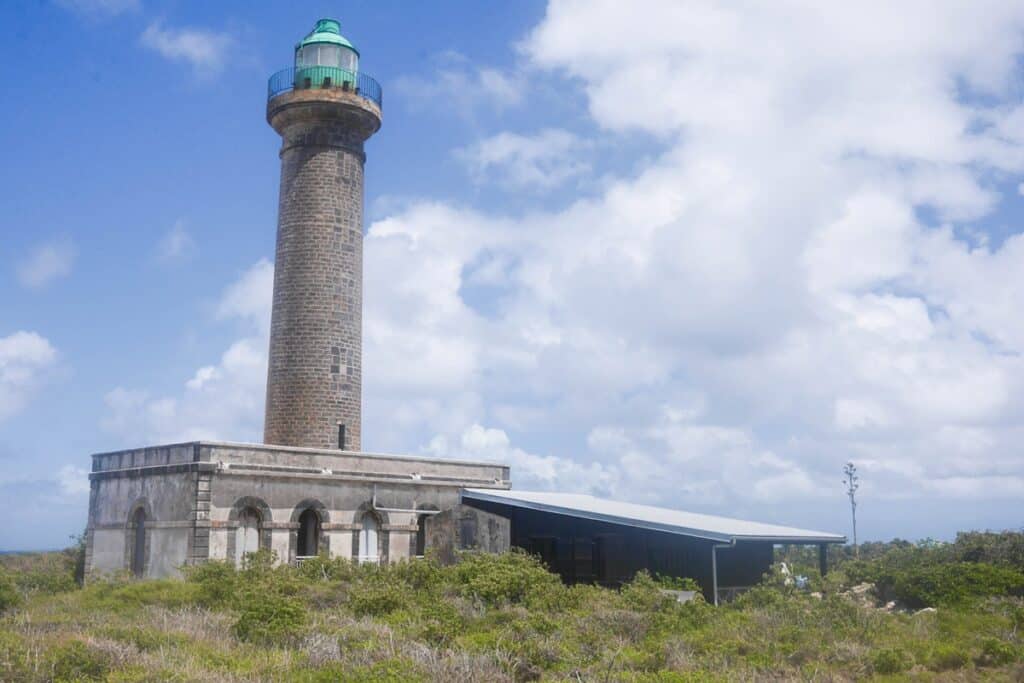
326,47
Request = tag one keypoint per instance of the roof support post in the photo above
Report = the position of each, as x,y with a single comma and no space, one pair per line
714,567
823,559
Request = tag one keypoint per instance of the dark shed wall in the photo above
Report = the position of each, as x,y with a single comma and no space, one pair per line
588,551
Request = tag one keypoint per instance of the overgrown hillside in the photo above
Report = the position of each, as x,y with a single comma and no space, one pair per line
954,613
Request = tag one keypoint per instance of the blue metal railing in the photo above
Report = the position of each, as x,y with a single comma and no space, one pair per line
319,77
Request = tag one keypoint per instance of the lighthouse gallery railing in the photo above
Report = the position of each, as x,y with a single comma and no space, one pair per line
318,77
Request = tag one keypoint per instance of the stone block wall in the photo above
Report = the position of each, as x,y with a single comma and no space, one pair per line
194,496
314,381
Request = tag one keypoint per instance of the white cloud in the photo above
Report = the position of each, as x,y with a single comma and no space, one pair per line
250,297
100,8
790,255
176,244
204,50
780,287
457,85
542,161
529,471
220,401
25,358
46,263
73,481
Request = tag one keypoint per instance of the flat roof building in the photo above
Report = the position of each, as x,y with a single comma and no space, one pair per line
588,539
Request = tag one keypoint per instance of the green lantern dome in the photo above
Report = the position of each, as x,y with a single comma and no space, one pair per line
326,32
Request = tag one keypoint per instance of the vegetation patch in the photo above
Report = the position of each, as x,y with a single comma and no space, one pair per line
505,618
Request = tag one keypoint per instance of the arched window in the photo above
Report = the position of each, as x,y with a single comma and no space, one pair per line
309,534
138,541
247,534
421,535
369,549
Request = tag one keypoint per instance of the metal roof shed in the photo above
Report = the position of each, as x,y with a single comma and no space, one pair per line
571,519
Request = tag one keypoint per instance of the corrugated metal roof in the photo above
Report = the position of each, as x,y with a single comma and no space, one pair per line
721,529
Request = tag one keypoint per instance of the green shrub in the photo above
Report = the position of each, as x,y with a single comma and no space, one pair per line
76,661
120,597
421,574
947,657
949,584
677,583
440,623
995,652
499,579
146,639
320,568
1005,548
378,596
216,582
644,594
9,596
14,656
269,618
892,660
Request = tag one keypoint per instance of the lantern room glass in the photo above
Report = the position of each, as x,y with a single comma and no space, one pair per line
325,54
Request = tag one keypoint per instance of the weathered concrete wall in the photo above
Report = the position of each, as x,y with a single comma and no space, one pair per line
164,483
464,528
370,466
314,377
197,492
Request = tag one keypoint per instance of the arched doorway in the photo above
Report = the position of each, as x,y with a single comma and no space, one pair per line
421,535
369,541
138,541
247,534
309,534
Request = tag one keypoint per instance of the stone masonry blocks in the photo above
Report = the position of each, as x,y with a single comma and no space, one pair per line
314,380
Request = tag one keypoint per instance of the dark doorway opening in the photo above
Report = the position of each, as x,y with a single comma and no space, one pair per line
139,543
309,534
421,535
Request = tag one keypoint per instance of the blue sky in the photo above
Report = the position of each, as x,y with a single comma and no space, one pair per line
684,254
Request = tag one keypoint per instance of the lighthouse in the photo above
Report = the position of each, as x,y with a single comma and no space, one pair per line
308,490
325,109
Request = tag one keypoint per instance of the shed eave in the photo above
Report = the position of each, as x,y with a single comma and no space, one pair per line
508,498
597,517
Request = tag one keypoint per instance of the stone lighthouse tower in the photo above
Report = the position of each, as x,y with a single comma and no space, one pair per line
324,109
308,490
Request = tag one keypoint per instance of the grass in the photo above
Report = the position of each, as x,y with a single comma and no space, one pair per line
496,618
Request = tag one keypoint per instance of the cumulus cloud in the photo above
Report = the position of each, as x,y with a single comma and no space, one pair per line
542,161
25,359
176,244
222,400
460,86
46,263
73,481
793,278
529,471
798,254
204,50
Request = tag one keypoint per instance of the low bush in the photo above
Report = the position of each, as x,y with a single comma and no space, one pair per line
9,596
948,657
500,579
377,596
216,583
949,584
76,661
269,618
891,660
995,652
119,596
